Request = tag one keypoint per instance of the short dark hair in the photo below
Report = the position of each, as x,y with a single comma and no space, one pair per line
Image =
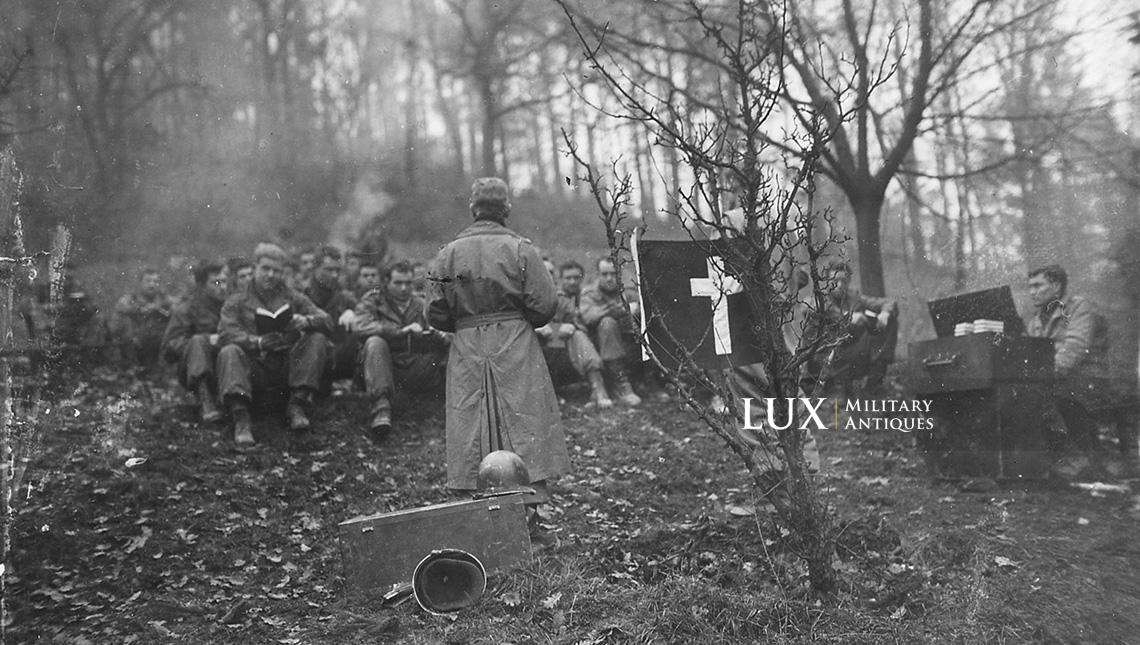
403,266
490,211
148,270
238,262
570,264
204,269
330,252
1054,273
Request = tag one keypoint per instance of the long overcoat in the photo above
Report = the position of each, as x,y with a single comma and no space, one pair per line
490,287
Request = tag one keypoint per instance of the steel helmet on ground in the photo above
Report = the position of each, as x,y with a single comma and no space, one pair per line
448,580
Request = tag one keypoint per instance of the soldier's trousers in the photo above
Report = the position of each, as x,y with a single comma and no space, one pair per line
197,363
383,371
580,352
240,374
343,358
614,339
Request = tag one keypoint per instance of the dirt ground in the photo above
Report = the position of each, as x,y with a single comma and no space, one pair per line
135,525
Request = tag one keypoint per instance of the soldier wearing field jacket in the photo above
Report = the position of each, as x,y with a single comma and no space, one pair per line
251,359
400,349
1080,351
191,338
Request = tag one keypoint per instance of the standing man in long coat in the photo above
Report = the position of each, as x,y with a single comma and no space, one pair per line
490,287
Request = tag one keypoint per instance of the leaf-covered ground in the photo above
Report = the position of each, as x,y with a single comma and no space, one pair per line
134,525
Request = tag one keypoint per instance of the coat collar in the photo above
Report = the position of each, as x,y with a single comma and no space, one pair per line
486,227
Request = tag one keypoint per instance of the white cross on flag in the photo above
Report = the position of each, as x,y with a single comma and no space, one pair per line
692,305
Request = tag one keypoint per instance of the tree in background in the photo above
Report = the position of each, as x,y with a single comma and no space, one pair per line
730,160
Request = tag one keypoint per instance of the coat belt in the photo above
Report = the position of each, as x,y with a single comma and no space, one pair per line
486,319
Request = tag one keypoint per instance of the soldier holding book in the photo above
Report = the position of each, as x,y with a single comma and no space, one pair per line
270,331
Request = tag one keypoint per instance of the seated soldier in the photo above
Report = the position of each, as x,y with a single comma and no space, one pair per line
1080,353
307,261
74,324
872,329
258,346
325,292
240,273
369,278
400,348
564,339
140,319
569,281
604,314
191,339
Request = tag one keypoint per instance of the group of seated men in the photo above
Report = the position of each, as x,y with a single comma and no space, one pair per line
249,327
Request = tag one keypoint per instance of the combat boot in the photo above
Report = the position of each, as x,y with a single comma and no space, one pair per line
622,388
243,427
381,424
295,412
599,397
208,405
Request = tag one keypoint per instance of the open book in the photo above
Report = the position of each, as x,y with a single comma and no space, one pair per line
273,321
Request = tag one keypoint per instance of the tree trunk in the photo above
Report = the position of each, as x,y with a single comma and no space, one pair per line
868,209
489,125
12,246
556,143
410,110
538,161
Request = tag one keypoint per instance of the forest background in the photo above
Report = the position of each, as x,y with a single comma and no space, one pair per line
982,138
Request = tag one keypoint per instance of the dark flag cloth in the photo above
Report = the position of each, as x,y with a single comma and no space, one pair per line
691,305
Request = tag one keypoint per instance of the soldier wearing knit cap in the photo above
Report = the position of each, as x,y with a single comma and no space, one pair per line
250,361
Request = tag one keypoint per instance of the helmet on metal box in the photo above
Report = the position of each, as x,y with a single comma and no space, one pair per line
502,470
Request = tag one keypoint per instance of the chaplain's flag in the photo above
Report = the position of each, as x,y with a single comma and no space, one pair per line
692,305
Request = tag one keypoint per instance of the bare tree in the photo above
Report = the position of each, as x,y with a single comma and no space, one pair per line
498,45
729,159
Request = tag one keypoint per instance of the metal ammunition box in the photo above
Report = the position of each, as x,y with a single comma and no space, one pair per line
381,550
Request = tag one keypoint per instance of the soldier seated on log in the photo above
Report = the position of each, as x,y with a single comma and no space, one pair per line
402,353
191,338
872,332
270,332
1081,383
565,343
140,319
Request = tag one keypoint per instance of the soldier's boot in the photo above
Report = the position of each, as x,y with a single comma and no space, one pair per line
208,404
381,424
622,387
243,426
295,411
599,397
